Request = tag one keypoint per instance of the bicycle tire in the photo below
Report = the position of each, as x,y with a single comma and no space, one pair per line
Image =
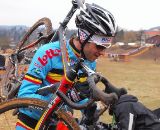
21,102
27,48
68,119
43,21
38,104
6,82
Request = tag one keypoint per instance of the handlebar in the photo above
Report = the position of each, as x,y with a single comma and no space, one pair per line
96,94
73,105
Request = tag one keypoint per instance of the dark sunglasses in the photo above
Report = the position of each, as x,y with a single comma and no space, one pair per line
99,47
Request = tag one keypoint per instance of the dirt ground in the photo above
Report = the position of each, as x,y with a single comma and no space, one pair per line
152,53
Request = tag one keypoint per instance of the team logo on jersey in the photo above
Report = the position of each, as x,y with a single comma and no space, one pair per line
36,71
37,65
49,54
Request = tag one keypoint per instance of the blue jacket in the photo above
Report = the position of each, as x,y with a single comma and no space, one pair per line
46,68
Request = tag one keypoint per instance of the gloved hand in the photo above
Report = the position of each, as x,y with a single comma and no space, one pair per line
83,89
90,115
74,95
109,88
119,91
79,92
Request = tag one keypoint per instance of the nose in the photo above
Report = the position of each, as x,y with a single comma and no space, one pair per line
101,52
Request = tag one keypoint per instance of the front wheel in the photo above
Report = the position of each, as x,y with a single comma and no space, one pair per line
59,119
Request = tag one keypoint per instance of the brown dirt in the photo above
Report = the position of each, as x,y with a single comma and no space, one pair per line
151,54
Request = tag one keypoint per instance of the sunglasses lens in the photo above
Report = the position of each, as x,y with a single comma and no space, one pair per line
99,47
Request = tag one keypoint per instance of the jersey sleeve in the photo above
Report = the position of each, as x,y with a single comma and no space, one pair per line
41,64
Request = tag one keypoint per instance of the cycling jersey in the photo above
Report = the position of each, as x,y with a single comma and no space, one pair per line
46,68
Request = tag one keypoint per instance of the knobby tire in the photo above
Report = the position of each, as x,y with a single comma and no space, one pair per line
38,104
43,21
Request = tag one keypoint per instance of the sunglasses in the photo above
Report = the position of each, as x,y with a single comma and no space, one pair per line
99,47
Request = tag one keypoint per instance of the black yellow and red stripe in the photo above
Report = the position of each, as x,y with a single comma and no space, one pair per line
32,79
21,124
55,75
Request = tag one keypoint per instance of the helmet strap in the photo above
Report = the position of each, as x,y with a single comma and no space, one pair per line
84,43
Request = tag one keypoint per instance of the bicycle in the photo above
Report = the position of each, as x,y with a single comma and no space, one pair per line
70,74
41,105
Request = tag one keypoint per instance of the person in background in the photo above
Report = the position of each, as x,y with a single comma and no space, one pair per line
130,114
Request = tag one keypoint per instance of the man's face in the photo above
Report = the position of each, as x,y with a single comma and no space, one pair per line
93,51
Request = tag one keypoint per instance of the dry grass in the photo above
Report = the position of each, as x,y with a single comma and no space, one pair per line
140,77
7,121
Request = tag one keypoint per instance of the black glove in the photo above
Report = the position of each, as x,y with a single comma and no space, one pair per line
111,109
90,115
83,89
119,91
79,92
74,95
122,91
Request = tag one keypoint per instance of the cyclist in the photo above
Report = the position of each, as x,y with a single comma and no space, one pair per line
96,27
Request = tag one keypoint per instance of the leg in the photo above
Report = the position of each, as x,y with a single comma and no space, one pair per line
21,126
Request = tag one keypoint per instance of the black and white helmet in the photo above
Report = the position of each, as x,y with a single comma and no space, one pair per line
96,20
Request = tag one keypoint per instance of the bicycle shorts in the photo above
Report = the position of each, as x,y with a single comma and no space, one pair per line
25,122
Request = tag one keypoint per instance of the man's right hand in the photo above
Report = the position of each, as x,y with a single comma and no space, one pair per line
74,95
112,89
79,92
